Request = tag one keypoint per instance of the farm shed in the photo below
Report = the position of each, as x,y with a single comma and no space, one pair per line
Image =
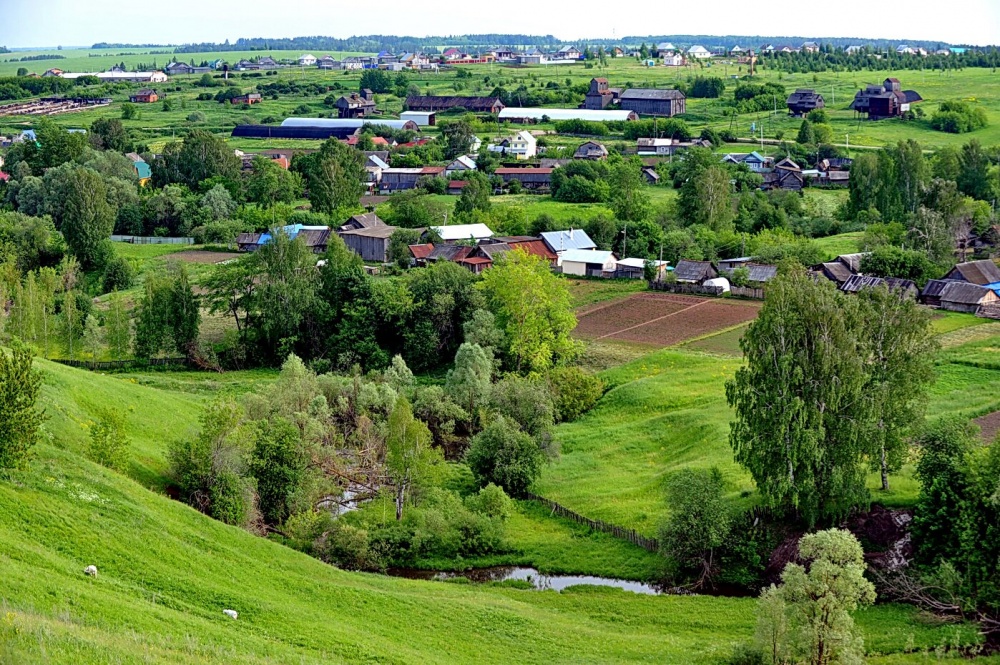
315,238
758,273
695,272
445,103
371,244
368,220
144,96
420,253
634,268
931,295
599,96
653,101
397,180
448,252
560,241
804,100
529,177
421,118
587,262
966,297
975,272
456,232
519,114
906,288
248,242
304,133
352,123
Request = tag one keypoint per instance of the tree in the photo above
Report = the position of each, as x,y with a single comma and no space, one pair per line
809,615
109,134
268,183
130,111
278,464
185,315
410,460
376,80
806,135
576,391
897,347
797,396
200,156
475,196
152,319
698,524
399,246
218,203
70,324
334,176
93,336
470,380
714,191
973,174
532,307
629,199
108,442
87,220
458,136
118,328
19,419
504,455
57,145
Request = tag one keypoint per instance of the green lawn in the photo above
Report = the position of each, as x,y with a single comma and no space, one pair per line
844,243
166,572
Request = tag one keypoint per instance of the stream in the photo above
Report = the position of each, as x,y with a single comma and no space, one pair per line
538,580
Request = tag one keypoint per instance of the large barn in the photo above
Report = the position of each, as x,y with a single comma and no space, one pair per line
653,101
445,103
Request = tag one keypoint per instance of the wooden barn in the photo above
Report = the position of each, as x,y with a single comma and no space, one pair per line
371,244
966,297
975,272
931,295
530,178
906,288
804,100
694,272
653,101
446,103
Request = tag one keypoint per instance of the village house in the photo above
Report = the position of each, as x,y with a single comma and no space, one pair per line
695,272
753,160
809,47
841,268
665,147
561,241
527,244
663,49
533,178
804,100
905,288
328,62
591,150
652,101
569,53
984,273
460,165
599,96
674,60
520,146
182,69
400,179
786,175
588,262
307,60
884,101
699,52
356,105
446,103
144,96
248,99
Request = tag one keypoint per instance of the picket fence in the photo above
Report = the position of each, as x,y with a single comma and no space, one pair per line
632,536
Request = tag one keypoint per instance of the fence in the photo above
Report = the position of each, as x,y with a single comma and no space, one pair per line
748,292
110,365
152,240
691,289
650,544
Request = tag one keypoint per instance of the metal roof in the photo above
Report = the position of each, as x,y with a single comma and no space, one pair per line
463,231
638,263
354,123
964,293
520,113
559,241
272,132
652,93
587,256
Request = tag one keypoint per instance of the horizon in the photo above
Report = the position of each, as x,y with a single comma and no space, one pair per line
972,22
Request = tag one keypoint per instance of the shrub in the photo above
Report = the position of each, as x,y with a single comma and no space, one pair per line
504,455
575,391
349,547
706,87
958,118
108,443
118,275
197,116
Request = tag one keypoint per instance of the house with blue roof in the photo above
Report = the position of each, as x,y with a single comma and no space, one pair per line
560,241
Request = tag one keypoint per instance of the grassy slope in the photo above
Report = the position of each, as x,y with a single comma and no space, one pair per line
167,572
667,411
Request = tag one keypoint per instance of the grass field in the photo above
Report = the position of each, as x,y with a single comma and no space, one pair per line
166,573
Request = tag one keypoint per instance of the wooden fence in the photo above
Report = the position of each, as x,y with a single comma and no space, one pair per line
747,292
112,365
152,240
650,544
701,290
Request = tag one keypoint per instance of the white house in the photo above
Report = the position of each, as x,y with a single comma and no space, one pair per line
462,163
699,51
521,146
584,262
455,232
673,60
307,60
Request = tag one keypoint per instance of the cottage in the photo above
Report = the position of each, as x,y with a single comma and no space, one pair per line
786,175
534,178
446,103
905,288
521,146
753,160
652,101
966,297
367,220
695,272
307,60
560,241
588,262
355,105
591,150
144,96
569,53
804,100
461,164
983,272
370,243
700,52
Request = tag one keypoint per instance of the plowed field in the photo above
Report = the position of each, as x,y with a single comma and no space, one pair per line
661,320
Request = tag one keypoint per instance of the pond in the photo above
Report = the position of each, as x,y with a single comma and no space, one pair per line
531,575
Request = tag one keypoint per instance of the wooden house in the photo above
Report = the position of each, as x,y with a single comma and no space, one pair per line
931,295
975,272
354,105
537,179
591,150
803,101
249,99
840,269
368,220
786,175
967,297
653,101
905,288
446,103
695,272
370,243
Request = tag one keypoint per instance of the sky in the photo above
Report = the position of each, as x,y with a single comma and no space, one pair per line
43,23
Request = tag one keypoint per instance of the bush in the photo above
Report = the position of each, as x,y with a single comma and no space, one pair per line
118,275
958,118
706,87
504,455
197,116
575,391
349,547
108,443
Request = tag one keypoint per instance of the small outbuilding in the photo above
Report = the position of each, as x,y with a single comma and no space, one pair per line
588,262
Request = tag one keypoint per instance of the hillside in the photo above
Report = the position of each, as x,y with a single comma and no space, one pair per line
167,572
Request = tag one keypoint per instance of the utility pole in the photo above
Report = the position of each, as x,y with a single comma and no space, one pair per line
625,240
